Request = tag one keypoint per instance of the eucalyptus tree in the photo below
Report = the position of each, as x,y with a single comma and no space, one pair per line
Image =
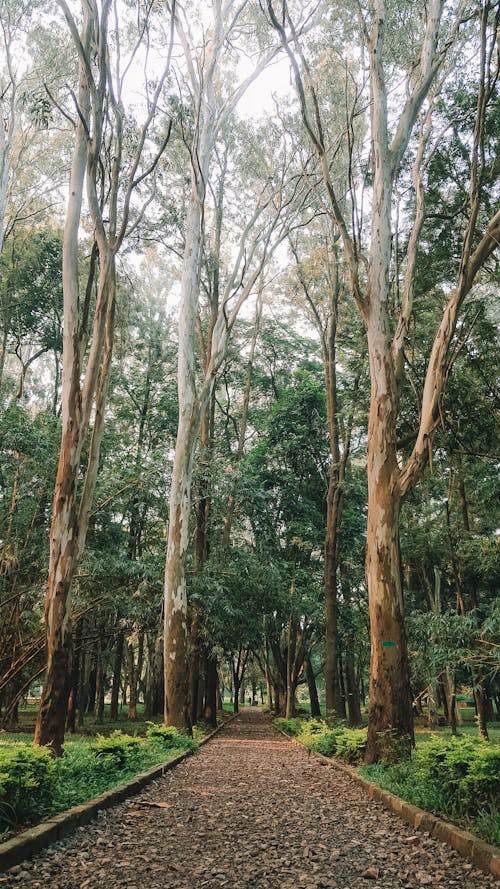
113,162
319,285
250,249
408,53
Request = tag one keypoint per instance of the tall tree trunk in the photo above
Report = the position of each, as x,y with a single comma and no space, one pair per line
83,397
291,681
81,684
75,675
211,687
390,712
336,472
64,533
193,401
117,672
313,690
100,684
332,685
132,682
236,696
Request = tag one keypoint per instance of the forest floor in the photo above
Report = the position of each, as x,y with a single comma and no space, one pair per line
250,810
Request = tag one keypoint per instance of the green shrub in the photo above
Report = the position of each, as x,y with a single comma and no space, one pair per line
169,737
289,726
467,770
26,775
481,785
34,785
316,735
351,745
117,750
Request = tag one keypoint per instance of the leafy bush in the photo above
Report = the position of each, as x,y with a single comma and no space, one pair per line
170,738
315,734
351,745
117,750
26,775
467,770
289,726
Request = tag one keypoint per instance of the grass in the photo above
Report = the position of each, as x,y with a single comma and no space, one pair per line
91,727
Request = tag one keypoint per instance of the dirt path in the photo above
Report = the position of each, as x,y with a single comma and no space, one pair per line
249,811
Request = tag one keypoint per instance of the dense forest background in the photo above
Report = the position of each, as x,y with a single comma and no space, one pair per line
195,346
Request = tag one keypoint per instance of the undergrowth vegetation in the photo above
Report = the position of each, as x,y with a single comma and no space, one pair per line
455,778
347,744
33,785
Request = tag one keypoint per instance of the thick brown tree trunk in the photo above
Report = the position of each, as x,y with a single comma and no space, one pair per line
390,726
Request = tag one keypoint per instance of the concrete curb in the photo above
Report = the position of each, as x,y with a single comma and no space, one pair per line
482,855
30,842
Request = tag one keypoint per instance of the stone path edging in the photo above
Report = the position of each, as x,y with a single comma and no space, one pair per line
482,854
34,839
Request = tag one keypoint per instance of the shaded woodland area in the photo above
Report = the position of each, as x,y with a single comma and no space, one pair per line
249,372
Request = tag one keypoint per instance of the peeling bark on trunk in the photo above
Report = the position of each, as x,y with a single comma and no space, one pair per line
84,392
252,253
176,638
390,713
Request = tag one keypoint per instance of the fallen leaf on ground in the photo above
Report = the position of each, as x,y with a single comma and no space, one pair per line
158,805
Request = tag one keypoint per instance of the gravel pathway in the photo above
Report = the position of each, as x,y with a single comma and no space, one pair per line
249,811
